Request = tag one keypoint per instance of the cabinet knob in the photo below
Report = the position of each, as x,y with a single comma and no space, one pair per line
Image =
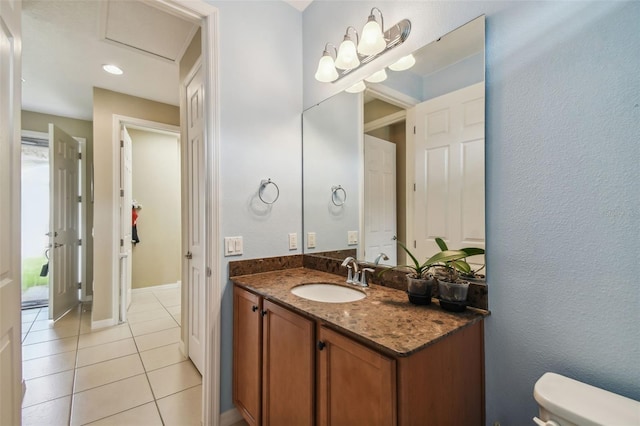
254,308
321,345
264,313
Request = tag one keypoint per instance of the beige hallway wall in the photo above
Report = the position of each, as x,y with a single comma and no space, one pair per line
156,186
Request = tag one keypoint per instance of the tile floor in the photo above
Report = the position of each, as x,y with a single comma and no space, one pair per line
130,374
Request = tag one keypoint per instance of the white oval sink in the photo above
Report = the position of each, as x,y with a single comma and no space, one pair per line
328,293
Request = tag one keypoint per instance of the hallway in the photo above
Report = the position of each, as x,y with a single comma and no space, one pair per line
129,374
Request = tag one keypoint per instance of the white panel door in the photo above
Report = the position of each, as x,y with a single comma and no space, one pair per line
126,205
10,333
449,148
195,258
380,222
63,222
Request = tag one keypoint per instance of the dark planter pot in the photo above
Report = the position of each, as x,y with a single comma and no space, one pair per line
453,296
419,289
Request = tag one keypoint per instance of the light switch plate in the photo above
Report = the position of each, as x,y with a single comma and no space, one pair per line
352,237
311,240
293,241
233,246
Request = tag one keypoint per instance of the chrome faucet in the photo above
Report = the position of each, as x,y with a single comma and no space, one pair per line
382,256
353,271
355,275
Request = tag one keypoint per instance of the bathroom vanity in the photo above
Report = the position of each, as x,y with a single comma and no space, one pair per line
376,361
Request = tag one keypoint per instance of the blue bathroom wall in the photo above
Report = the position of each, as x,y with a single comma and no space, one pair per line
466,72
260,84
562,161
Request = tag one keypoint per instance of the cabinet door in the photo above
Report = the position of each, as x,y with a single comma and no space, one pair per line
357,385
247,355
288,368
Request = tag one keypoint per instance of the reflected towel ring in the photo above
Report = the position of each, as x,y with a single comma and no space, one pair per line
335,195
263,185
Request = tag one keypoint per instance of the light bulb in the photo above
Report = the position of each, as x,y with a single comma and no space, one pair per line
356,88
372,40
347,56
403,63
377,77
326,72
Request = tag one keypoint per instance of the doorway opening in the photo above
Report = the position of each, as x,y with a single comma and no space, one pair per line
35,221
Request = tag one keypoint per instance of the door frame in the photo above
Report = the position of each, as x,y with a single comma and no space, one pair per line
207,16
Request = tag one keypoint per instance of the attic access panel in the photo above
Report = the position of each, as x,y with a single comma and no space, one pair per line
148,29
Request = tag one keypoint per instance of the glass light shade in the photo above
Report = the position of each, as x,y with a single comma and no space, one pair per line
403,63
371,41
356,88
112,69
347,56
377,77
326,72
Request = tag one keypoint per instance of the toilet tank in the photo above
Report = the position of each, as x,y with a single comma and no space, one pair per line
570,402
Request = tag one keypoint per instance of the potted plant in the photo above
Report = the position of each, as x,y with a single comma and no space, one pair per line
452,275
420,281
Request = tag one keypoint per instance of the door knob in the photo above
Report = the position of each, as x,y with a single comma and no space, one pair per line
189,255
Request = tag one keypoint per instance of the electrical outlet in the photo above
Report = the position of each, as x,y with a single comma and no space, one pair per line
293,241
311,240
352,237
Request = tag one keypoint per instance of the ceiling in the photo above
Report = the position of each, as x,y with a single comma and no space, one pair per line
65,44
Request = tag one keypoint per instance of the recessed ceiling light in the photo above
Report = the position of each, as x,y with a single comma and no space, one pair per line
112,69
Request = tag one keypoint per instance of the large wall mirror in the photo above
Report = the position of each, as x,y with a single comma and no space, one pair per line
403,158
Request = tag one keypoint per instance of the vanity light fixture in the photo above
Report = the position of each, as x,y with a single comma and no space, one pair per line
347,55
326,71
377,77
112,69
356,88
371,43
403,63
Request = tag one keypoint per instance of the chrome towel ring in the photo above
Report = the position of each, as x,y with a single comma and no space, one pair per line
263,184
336,192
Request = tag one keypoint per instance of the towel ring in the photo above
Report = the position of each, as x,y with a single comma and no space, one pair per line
334,195
263,185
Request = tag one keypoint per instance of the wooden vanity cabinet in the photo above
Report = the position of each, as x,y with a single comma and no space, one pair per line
274,362
356,385
247,354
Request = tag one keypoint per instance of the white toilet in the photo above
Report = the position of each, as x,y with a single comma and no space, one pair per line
567,402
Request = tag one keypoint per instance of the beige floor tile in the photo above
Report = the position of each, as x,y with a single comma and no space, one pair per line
100,353
61,323
105,372
85,325
24,335
52,347
49,387
110,399
174,310
145,296
144,415
157,339
48,365
162,357
177,318
29,315
136,317
43,314
152,326
50,413
98,337
173,378
183,408
51,334
141,307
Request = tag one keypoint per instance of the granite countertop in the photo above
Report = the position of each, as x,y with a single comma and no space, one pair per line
384,319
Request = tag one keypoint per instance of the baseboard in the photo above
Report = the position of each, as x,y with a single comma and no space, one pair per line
103,323
156,287
230,417
87,299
